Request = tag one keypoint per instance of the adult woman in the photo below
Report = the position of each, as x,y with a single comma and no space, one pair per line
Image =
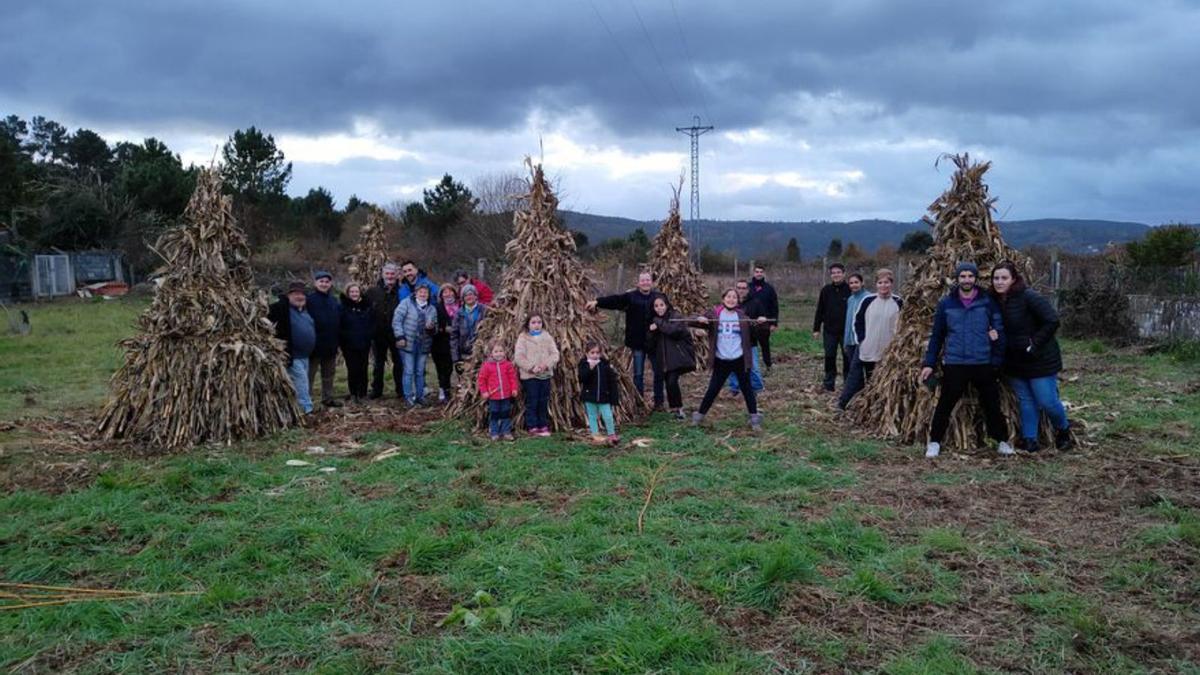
729,352
463,328
1032,359
670,340
443,362
356,328
413,324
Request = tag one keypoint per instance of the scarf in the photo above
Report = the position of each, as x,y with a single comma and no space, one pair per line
451,308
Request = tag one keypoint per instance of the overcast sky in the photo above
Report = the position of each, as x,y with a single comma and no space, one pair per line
823,110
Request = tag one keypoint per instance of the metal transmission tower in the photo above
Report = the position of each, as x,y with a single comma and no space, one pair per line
694,132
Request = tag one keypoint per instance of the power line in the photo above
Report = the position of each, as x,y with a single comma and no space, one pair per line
657,57
632,66
692,62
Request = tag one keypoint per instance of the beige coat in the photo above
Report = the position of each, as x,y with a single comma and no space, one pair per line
535,351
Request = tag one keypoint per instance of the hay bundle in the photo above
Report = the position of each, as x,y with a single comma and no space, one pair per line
895,404
543,275
205,366
677,276
370,253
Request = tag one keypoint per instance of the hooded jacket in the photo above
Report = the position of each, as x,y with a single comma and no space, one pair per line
407,289
960,333
599,384
1030,324
671,342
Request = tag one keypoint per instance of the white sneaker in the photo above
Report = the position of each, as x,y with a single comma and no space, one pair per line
933,449
441,395
1005,449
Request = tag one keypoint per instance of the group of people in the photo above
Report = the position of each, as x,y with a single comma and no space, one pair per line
978,337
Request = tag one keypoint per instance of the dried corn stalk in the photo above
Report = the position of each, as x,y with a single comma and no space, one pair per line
370,253
894,404
205,366
675,274
543,275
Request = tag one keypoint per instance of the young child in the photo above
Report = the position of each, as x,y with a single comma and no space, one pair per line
535,358
598,389
498,382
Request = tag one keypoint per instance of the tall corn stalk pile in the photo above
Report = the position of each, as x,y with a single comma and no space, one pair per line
895,404
544,275
205,366
370,253
677,276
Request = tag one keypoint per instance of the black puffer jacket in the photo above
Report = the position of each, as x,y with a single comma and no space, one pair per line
599,384
671,341
1030,323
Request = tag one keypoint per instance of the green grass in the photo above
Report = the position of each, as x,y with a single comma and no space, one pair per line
757,555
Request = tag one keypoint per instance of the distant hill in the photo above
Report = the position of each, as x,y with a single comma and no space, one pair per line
752,237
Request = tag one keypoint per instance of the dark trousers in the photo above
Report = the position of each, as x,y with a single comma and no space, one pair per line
639,374
674,394
327,365
382,348
444,367
537,403
868,369
833,345
500,417
954,384
356,370
764,346
854,379
721,371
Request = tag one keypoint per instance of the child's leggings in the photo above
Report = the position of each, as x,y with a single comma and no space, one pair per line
604,410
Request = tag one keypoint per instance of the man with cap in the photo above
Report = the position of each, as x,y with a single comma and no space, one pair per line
482,290
294,325
326,316
968,338
384,297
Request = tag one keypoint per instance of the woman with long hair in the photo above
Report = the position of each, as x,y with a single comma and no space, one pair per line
1032,359
670,341
443,362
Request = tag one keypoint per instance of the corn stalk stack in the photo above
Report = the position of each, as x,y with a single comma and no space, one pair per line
894,404
205,366
676,275
543,275
370,253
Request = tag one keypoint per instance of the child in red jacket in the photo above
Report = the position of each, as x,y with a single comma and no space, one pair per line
498,382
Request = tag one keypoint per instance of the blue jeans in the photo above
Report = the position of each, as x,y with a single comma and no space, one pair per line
537,403
500,417
854,378
756,381
639,375
1039,394
414,374
298,371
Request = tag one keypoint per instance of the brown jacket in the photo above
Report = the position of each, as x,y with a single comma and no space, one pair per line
535,351
714,318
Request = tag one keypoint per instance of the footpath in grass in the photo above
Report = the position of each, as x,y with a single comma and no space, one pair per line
805,549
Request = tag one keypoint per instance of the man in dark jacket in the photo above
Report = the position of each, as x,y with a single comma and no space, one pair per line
326,316
968,337
638,306
768,300
384,297
294,326
829,323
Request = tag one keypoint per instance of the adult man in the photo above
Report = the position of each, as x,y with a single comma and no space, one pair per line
969,325
638,306
482,290
765,294
831,317
326,315
384,296
295,327
875,321
751,306
411,277
853,381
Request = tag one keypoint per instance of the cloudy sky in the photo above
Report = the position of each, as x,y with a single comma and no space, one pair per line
823,109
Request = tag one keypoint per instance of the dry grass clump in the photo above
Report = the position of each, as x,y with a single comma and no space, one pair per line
895,404
205,366
544,275
676,275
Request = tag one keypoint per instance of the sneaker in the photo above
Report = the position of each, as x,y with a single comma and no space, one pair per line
697,418
494,437
1005,449
508,437
756,422
599,439
679,414
614,440
375,394
441,395
543,432
932,449
658,407
1062,439
1031,445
